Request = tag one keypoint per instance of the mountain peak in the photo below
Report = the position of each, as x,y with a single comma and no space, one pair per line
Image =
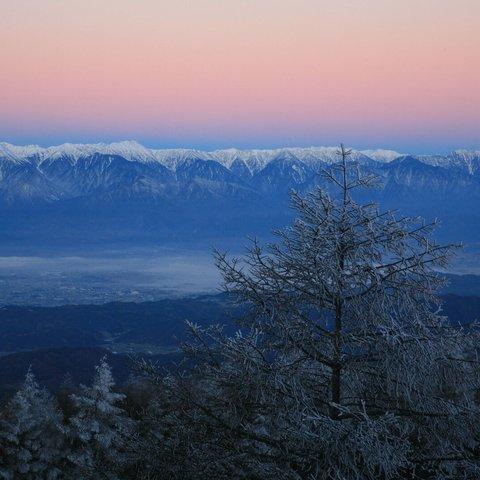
382,155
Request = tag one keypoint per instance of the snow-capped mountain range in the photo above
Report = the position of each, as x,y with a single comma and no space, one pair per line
134,151
127,189
254,159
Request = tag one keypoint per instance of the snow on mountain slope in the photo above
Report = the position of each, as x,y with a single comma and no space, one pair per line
254,159
468,161
130,150
16,153
381,155
257,159
465,161
172,158
244,163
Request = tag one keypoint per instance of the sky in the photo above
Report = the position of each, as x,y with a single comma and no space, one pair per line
245,73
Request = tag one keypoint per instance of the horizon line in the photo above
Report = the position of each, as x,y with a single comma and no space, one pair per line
149,146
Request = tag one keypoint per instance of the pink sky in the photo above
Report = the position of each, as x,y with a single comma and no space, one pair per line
402,74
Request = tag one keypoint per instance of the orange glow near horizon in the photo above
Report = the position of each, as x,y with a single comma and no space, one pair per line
384,73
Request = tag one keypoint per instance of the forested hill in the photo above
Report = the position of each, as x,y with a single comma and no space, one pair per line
149,327
56,341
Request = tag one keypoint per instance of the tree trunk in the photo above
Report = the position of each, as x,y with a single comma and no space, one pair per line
336,383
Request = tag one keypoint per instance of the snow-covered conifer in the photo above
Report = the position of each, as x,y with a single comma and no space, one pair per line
344,368
31,435
99,429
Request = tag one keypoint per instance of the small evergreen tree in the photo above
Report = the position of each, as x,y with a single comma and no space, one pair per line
31,435
99,429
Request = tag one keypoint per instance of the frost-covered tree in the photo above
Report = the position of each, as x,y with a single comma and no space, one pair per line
31,435
99,429
344,368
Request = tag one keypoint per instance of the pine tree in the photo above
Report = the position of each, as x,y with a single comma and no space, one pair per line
31,435
345,367
99,429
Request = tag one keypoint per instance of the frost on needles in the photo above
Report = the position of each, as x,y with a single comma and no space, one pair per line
344,367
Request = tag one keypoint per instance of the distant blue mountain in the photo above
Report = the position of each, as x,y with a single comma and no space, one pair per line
126,192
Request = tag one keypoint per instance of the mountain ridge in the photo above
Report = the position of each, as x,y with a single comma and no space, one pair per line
133,150
255,159
127,189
